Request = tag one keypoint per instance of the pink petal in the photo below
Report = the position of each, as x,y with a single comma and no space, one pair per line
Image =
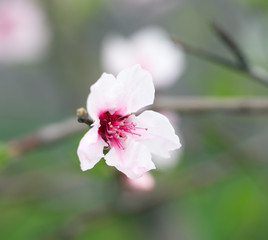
103,95
132,90
90,149
160,136
136,87
134,161
145,183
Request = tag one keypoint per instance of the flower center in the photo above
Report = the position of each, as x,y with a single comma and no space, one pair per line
114,128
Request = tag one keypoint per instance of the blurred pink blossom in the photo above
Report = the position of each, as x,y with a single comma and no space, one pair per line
145,183
151,48
24,33
132,139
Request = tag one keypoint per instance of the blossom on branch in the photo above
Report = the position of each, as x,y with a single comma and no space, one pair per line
151,48
131,140
24,32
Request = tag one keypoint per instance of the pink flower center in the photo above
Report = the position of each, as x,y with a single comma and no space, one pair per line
114,128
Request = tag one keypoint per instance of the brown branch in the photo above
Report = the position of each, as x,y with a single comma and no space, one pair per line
231,44
45,135
250,71
82,116
193,105
186,105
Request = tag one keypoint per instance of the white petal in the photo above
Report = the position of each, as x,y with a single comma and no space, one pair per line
132,90
160,136
134,161
136,87
175,155
90,149
102,96
168,163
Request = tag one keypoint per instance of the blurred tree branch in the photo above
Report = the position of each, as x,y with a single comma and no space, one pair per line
43,136
187,105
241,63
194,105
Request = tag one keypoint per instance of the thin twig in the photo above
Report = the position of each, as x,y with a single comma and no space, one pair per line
259,76
231,44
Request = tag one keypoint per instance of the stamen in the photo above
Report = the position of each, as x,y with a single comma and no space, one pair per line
115,128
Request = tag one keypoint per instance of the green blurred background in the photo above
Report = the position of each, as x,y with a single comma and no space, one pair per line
218,190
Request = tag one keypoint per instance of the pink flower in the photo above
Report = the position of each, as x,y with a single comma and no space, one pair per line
24,34
145,183
132,139
151,48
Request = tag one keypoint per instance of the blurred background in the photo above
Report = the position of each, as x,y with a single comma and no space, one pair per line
217,187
